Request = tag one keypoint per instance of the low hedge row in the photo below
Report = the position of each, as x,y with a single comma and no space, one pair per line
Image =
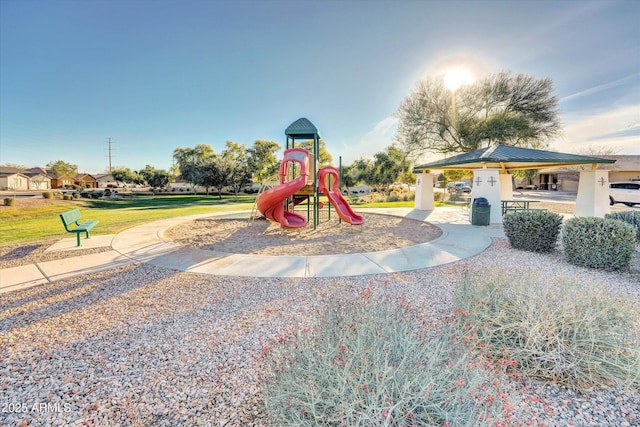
606,243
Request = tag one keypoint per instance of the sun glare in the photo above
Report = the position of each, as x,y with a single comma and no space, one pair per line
457,76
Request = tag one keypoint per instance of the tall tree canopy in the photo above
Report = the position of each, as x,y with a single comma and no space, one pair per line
503,108
62,168
262,159
234,164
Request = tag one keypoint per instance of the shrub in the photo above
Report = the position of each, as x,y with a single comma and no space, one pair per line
76,195
598,242
393,198
9,201
534,231
375,363
556,330
632,217
47,195
67,197
438,196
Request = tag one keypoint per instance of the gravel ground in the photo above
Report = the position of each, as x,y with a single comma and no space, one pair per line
146,346
34,252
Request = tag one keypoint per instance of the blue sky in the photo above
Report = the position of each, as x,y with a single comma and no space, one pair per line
158,74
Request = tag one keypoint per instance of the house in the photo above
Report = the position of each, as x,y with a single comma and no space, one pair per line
85,180
106,180
13,179
626,168
39,178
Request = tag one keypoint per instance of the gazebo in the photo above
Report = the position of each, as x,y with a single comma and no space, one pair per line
491,180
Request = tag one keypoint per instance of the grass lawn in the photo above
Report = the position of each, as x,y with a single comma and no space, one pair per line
27,224
22,224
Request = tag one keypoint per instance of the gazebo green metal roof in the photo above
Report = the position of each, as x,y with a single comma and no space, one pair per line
302,129
511,158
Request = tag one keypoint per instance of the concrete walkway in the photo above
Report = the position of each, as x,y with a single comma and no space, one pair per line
146,243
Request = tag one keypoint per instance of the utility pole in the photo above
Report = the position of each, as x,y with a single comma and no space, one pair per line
109,149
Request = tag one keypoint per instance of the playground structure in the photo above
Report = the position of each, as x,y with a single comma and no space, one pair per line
278,204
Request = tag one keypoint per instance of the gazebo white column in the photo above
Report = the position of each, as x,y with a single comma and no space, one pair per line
506,186
593,194
424,191
487,183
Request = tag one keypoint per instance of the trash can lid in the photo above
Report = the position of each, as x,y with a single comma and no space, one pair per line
480,201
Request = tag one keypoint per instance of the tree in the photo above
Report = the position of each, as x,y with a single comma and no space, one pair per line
359,171
191,161
210,174
159,179
407,177
324,157
507,109
62,168
235,163
126,176
262,160
147,173
387,166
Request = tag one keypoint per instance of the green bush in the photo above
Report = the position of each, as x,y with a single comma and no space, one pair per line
534,231
9,201
632,217
598,242
377,364
47,195
555,330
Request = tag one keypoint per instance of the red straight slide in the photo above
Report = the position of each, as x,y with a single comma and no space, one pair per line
339,203
271,202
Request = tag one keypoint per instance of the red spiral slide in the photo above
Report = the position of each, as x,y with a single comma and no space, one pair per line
339,203
271,202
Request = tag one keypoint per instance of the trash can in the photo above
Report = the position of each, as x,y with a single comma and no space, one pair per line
480,212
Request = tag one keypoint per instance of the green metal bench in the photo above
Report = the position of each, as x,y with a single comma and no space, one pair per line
71,220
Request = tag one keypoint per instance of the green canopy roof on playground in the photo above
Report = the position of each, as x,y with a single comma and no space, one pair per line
302,129
510,158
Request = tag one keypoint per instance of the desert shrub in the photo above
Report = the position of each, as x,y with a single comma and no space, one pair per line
67,197
632,217
438,196
534,231
76,195
393,198
10,201
372,363
598,242
47,195
556,330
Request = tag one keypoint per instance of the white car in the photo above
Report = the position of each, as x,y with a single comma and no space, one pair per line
627,192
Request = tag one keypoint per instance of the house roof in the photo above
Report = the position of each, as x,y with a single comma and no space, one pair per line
9,173
9,170
302,129
510,158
